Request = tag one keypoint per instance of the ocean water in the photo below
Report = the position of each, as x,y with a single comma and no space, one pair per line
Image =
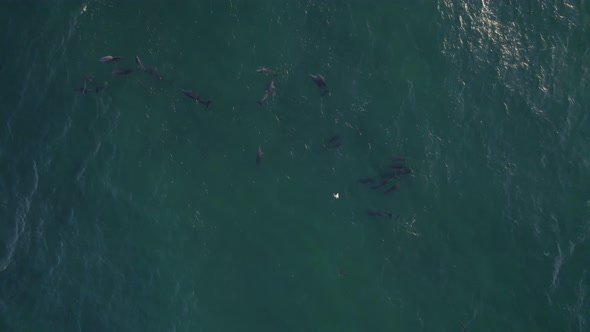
137,209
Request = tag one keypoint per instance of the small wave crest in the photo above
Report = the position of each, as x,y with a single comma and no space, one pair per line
22,211
557,261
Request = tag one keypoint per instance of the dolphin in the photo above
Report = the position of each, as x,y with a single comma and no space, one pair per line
404,171
366,180
196,97
99,88
333,142
259,154
119,72
265,70
380,214
333,139
392,188
397,166
319,80
382,183
85,89
152,71
110,58
138,62
268,91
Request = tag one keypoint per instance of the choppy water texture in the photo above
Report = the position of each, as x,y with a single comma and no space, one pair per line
136,209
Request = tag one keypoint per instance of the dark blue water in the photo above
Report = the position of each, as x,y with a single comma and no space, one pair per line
135,208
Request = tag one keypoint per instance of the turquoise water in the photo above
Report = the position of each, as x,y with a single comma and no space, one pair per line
136,209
